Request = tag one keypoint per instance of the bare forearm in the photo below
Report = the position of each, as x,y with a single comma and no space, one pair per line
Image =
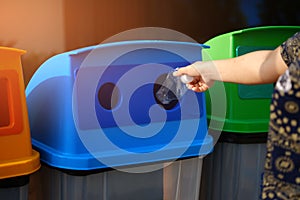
258,67
253,68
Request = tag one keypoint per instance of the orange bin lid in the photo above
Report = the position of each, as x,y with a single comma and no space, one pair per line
16,154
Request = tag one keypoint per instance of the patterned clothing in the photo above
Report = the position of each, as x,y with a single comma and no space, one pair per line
282,167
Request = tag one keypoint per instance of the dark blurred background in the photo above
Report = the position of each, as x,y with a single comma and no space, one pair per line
48,27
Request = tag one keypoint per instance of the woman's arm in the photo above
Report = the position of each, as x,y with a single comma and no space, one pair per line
257,67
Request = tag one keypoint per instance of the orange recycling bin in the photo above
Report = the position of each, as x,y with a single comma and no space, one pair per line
17,157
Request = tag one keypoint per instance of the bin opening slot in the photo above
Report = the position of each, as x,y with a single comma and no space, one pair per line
109,96
157,85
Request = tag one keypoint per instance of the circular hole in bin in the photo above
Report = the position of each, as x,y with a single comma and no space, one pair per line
108,96
157,85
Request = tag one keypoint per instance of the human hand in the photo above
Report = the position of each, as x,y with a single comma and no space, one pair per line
196,70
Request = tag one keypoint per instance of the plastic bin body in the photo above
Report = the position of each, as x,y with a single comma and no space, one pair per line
15,193
62,121
234,170
16,188
178,181
247,105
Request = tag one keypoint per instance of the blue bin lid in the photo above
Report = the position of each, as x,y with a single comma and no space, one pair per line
71,130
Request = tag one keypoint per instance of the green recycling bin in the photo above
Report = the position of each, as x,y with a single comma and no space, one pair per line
234,169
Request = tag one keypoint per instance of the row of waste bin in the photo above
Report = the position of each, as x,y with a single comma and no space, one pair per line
92,118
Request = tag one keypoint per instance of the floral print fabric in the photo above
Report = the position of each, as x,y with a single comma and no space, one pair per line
281,178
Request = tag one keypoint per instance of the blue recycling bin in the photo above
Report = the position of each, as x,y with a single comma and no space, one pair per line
95,109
